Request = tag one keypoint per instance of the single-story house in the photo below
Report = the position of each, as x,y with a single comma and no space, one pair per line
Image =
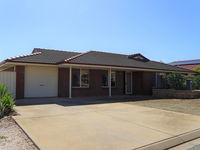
54,73
187,64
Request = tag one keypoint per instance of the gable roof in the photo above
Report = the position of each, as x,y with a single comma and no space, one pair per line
48,56
112,59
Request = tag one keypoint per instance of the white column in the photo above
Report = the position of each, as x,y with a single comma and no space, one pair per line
109,82
70,82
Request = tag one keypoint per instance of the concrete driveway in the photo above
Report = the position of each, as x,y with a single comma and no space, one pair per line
110,126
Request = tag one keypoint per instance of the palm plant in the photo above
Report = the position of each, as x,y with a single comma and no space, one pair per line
6,101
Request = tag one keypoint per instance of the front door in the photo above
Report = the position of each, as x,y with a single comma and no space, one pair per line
128,82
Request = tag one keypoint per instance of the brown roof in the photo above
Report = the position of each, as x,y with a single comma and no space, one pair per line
49,56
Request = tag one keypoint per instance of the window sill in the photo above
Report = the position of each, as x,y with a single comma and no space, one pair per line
81,87
105,87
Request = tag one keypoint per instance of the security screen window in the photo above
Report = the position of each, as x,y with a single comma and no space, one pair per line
84,78
113,79
75,77
80,78
105,79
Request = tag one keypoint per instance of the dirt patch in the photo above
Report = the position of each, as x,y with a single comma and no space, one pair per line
12,137
189,106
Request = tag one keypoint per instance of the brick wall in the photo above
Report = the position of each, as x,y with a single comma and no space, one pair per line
20,82
170,93
95,87
143,83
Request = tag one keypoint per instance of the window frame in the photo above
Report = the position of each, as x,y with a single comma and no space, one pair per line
115,72
80,78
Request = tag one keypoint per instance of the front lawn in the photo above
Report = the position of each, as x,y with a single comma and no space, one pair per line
190,106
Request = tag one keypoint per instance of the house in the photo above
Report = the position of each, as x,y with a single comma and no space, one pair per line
54,73
187,64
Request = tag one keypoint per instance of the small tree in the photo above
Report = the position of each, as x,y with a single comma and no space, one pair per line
196,82
176,81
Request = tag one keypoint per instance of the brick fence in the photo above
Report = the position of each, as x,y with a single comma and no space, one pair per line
170,93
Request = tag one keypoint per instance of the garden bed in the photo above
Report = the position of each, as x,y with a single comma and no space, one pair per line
171,93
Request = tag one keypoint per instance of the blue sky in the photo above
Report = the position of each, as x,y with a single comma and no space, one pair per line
162,30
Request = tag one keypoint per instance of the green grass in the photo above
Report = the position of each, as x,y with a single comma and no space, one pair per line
3,137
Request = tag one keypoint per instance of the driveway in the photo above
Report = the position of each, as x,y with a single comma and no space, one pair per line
109,126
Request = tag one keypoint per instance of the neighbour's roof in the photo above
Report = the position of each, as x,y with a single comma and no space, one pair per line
190,67
185,62
48,56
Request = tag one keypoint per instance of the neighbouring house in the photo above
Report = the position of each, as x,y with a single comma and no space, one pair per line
187,64
54,73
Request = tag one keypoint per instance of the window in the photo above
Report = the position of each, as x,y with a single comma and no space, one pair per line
113,79
80,78
84,78
105,80
75,77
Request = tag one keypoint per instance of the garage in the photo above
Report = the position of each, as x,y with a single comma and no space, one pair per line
41,81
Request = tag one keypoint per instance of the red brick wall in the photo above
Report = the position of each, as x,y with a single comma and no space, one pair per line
142,83
95,88
63,82
20,82
120,87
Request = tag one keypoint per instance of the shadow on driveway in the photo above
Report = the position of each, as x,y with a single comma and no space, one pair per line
80,101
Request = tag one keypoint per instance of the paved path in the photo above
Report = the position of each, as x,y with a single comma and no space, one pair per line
113,126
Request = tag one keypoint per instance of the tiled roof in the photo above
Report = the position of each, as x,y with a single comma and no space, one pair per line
48,56
190,67
112,59
185,62
92,58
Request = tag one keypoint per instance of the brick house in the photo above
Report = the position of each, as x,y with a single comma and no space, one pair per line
54,73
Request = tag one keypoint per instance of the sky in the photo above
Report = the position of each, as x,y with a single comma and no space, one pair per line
161,30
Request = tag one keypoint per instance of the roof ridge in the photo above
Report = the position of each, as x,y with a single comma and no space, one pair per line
21,56
76,56
108,52
48,49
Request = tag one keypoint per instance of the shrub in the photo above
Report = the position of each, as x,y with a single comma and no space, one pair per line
176,81
197,69
196,82
6,101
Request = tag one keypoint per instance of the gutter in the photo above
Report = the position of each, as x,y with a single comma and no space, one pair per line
63,64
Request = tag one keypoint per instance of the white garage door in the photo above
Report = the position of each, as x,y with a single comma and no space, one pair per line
9,79
41,81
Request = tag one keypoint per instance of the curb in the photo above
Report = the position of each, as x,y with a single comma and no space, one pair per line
26,134
172,141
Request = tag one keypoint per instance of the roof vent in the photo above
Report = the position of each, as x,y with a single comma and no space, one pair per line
138,57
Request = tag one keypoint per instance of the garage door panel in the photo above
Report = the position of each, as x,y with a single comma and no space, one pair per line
41,81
